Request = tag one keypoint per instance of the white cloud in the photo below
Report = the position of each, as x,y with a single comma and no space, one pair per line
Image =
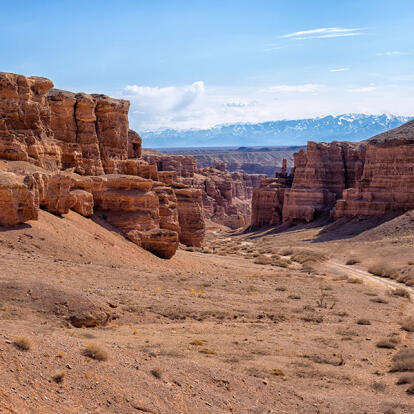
307,87
394,53
363,89
171,98
323,33
202,106
339,70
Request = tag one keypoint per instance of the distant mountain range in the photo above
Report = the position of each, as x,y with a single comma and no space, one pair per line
347,127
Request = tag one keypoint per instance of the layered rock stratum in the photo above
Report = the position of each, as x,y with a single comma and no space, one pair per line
66,151
342,179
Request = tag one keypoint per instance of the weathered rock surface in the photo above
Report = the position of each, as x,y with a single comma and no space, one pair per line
387,180
344,179
190,215
18,199
89,135
227,196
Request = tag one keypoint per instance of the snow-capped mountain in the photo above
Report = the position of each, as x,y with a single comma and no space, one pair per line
347,127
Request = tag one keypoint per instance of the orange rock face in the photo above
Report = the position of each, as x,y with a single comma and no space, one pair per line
89,135
227,196
387,179
344,179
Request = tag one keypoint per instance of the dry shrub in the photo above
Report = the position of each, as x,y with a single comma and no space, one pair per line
378,386
263,260
401,292
95,351
363,322
156,373
403,361
59,376
352,261
335,360
281,289
22,342
207,351
312,318
385,343
408,324
197,342
378,300
288,251
405,379
410,389
295,297
308,257
383,269
355,280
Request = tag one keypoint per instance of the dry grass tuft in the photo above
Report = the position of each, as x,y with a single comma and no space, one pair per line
308,257
379,300
405,379
207,351
408,324
401,292
383,270
363,322
23,343
59,376
156,373
385,343
355,280
352,261
403,361
95,351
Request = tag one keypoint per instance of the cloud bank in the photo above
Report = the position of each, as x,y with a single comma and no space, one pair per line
202,106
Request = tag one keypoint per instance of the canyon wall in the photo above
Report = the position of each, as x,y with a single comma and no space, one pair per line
64,150
342,179
225,196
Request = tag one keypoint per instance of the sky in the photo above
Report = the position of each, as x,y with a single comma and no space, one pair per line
196,64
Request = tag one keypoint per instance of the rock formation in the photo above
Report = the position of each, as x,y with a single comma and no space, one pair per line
75,151
225,197
342,179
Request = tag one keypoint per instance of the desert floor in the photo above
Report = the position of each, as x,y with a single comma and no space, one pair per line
258,322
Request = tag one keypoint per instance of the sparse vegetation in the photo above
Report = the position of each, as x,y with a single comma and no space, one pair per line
363,322
156,373
401,292
403,361
355,280
352,261
382,269
59,376
379,300
94,351
408,324
207,351
386,343
22,342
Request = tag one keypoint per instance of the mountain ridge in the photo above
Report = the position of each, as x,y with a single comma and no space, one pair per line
345,127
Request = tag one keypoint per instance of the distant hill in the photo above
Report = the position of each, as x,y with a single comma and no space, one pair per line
347,127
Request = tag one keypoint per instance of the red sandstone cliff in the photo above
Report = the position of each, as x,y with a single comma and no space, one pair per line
75,151
342,179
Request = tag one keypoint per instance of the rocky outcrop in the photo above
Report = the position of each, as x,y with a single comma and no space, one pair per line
190,215
18,199
67,150
25,133
184,166
343,179
227,196
387,180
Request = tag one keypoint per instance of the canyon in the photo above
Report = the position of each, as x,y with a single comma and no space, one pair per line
341,180
266,301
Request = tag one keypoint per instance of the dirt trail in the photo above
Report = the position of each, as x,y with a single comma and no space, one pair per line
362,274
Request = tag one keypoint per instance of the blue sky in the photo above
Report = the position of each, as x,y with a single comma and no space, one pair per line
195,64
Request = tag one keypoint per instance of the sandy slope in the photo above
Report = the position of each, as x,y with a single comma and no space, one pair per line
221,334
